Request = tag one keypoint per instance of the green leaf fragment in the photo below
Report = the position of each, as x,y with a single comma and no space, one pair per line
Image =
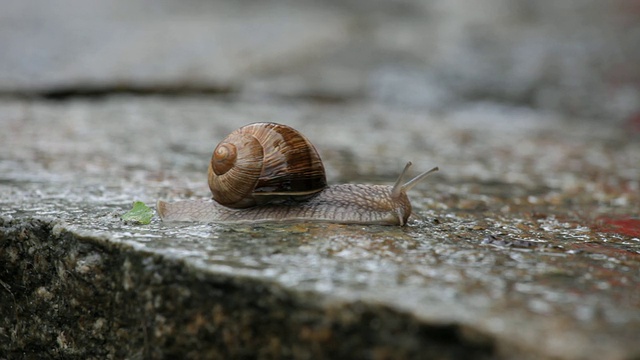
140,213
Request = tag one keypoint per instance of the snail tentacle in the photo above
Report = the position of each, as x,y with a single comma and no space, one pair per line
413,182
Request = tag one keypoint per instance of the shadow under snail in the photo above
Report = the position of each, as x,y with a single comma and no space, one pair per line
267,172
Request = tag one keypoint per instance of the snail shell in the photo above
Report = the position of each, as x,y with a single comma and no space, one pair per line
266,172
264,163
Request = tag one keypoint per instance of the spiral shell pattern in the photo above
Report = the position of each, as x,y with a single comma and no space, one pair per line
262,163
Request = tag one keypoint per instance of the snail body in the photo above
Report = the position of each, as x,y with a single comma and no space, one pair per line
289,185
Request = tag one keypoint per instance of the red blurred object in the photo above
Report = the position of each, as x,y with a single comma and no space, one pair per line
633,123
625,226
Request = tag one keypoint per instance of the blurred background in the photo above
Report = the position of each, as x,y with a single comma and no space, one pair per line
579,58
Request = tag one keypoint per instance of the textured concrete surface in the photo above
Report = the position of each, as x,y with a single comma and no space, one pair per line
525,245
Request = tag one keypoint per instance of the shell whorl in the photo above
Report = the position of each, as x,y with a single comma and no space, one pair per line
234,170
264,162
224,157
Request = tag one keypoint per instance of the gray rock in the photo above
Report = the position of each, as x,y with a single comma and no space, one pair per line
525,245
155,46
576,57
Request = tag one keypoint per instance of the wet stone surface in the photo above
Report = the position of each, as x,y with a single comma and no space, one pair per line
525,245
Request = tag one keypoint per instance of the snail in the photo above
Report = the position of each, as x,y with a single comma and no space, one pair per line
268,172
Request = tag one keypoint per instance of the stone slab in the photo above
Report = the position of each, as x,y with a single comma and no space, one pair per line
576,57
93,46
526,243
